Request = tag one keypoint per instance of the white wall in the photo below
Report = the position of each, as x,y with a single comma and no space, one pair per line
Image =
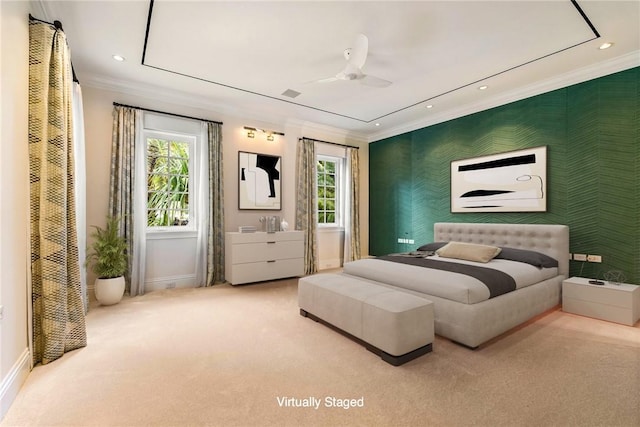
15,359
98,106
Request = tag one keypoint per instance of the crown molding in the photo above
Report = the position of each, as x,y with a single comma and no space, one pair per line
176,97
316,130
601,69
46,10
148,91
580,75
182,99
41,10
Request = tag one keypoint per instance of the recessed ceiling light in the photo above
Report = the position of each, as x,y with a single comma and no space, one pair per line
429,106
484,87
605,45
118,58
377,124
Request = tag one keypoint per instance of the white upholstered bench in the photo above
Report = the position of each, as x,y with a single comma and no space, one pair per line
395,325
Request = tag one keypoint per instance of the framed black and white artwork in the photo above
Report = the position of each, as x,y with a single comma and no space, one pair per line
259,181
515,181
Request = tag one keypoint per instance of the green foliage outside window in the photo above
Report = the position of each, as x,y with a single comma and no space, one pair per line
167,183
326,172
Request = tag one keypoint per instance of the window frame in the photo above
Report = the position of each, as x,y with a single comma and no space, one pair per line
339,178
191,140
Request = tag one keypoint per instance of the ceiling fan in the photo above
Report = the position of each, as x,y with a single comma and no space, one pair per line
356,57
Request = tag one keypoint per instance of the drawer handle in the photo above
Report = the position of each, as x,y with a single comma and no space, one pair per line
270,243
272,260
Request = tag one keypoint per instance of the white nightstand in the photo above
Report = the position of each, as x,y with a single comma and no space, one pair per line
615,303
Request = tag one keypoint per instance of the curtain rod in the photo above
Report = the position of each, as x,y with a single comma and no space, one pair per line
58,26
332,143
117,104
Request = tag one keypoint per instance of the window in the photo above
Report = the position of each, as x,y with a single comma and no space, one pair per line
328,178
169,179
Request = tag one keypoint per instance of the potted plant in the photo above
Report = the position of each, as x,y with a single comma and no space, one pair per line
108,253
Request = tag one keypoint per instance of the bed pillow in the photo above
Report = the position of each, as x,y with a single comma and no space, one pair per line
534,258
433,246
468,251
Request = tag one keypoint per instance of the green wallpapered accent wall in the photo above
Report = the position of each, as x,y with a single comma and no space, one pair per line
592,131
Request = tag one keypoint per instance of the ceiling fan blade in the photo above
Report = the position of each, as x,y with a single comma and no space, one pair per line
327,80
374,81
356,57
358,54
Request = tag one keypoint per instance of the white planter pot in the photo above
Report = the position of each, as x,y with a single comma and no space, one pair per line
109,291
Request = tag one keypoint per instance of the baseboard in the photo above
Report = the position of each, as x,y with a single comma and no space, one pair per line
170,282
12,382
156,284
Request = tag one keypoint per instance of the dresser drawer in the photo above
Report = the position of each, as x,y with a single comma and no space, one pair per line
266,251
266,270
258,237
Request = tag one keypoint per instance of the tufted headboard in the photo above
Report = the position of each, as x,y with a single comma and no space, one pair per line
550,239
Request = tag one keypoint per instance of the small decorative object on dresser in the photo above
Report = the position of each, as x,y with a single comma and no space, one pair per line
260,256
270,223
247,229
618,303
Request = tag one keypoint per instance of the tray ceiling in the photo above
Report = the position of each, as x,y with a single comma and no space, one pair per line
252,56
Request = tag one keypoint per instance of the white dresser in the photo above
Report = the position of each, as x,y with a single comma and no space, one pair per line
255,257
615,303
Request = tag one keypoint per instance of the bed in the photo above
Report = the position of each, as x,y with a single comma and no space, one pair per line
464,311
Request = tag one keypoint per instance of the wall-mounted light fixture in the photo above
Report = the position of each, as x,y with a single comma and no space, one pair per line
251,133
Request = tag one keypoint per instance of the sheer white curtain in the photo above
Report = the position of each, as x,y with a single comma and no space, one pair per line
139,262
202,204
80,188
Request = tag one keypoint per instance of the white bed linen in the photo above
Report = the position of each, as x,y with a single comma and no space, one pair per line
445,284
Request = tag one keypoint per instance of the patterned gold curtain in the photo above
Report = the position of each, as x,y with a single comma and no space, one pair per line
306,201
58,311
352,220
215,241
126,202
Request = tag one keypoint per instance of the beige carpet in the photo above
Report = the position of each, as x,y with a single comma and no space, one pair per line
223,356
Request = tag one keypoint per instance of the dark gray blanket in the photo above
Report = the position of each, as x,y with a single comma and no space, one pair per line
496,281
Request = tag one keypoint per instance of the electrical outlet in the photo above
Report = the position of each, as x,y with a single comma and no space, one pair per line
579,257
594,258
171,285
